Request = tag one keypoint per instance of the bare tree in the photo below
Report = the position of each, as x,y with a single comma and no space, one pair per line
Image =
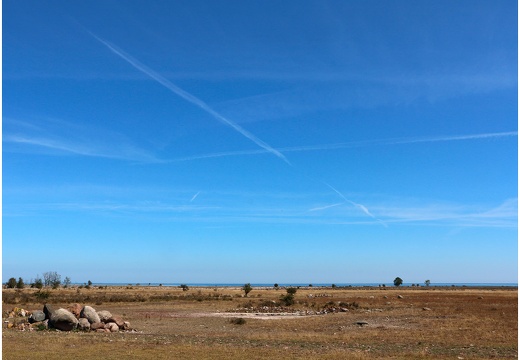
51,278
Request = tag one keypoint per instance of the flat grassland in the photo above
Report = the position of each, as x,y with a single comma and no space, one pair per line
205,323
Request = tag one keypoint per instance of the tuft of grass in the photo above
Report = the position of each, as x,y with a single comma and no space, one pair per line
238,321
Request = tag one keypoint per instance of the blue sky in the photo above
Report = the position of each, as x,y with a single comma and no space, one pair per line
260,141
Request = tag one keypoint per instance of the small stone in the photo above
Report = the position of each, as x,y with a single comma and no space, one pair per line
112,327
361,323
400,297
426,309
96,326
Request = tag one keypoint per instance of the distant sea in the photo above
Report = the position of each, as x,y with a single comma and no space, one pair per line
313,285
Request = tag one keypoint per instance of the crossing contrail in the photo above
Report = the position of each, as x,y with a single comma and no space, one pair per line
201,104
188,97
359,206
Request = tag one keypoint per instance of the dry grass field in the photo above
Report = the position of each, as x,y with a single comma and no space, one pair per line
201,323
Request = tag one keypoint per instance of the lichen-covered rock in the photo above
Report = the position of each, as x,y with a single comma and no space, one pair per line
83,324
104,315
62,319
36,316
90,314
126,326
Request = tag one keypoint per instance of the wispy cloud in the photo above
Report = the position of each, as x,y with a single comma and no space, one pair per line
463,215
58,136
188,97
355,144
398,212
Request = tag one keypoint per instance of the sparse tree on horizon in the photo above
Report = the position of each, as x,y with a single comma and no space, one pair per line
37,283
398,281
247,288
11,283
427,282
20,284
52,279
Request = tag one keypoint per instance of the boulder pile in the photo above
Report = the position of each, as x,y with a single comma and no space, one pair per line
76,317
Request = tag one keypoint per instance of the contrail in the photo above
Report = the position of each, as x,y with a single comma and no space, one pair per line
325,207
354,144
359,206
201,104
188,97
195,196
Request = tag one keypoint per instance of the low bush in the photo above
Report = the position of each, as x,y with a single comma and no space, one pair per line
238,321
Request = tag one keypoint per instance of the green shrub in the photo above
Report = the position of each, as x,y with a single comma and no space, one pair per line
42,295
288,299
291,290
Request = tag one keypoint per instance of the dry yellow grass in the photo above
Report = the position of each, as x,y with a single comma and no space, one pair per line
462,323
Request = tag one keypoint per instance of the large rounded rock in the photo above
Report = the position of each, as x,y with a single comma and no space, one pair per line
90,314
36,316
62,319
117,319
104,315
48,310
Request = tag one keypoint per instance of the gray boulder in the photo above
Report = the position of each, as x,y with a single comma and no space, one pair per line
36,316
62,319
83,324
104,315
90,314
